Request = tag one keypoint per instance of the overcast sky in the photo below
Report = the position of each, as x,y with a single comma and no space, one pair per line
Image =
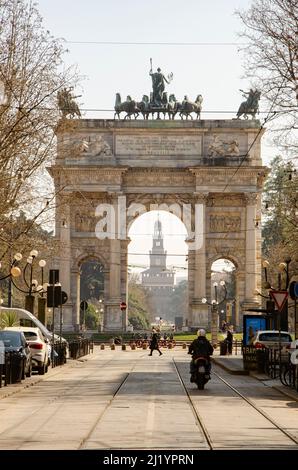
210,65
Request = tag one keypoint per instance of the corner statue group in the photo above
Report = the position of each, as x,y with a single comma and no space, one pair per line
158,85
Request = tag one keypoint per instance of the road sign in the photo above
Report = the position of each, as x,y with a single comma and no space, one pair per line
123,306
293,290
64,297
83,305
279,297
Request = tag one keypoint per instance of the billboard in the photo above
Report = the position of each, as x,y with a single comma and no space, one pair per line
251,325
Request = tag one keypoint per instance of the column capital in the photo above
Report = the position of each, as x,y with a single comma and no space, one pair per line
251,198
201,198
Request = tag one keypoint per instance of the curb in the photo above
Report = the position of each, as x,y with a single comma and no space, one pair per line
228,369
280,388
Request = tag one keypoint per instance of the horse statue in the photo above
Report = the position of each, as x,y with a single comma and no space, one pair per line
173,107
129,107
251,105
188,107
144,106
66,103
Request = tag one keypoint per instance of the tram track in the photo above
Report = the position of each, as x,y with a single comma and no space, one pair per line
108,405
197,416
258,409
58,395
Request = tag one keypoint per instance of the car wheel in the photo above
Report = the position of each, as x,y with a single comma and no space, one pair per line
42,370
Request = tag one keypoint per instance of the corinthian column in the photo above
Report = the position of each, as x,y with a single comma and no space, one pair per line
251,247
199,311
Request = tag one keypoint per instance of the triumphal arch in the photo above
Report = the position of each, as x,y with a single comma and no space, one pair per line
207,172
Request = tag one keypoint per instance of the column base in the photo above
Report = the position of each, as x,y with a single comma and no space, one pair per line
113,316
199,316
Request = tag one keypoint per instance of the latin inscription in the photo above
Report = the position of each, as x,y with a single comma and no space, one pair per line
158,145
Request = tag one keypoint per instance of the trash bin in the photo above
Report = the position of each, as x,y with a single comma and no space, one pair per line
223,348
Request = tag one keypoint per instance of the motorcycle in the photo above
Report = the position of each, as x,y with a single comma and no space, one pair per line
201,373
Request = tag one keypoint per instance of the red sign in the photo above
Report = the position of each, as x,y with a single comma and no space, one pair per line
123,306
279,297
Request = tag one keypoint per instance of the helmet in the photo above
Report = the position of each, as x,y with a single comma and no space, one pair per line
201,332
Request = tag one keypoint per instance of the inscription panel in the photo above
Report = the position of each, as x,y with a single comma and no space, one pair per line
158,145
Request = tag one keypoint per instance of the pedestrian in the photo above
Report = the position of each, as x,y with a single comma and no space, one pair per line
154,342
229,339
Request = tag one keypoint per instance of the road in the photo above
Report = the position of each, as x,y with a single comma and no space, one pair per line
127,400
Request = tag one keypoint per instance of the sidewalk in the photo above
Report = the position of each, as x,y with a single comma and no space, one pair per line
11,389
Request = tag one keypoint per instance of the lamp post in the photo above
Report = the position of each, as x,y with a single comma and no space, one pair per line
215,303
14,272
31,284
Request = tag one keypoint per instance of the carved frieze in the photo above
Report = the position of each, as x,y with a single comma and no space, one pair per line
224,223
220,147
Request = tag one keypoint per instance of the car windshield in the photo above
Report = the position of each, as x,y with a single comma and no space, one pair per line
11,339
30,335
274,336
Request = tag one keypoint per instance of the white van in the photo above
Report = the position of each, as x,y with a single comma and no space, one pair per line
26,318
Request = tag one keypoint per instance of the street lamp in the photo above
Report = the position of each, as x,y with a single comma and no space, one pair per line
32,284
215,303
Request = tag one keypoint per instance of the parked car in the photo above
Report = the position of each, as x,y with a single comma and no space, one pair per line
271,338
26,318
15,343
38,345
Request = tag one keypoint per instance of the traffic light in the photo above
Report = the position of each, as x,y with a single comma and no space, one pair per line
53,296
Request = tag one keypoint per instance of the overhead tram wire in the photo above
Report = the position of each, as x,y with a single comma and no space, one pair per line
135,43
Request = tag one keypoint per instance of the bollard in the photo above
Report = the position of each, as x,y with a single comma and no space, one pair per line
102,346
170,346
113,347
144,346
133,346
184,346
123,347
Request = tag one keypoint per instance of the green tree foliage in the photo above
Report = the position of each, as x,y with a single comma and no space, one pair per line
280,203
8,319
138,310
91,317
92,280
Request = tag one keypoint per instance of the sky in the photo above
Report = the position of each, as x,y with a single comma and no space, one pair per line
204,57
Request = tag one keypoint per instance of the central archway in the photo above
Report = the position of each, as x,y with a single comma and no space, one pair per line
157,268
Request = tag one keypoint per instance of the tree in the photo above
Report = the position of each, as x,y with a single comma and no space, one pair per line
31,74
280,227
138,310
272,58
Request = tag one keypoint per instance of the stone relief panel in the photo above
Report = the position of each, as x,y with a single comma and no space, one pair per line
224,144
91,145
224,223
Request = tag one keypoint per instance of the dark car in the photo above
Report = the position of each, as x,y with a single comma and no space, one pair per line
18,352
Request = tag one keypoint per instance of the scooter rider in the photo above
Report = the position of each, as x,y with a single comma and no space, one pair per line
200,347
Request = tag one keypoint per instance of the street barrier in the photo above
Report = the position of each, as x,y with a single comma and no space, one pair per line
80,347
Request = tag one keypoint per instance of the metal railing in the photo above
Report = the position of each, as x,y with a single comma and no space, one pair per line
80,347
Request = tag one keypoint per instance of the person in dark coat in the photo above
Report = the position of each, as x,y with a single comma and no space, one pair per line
200,347
154,342
229,339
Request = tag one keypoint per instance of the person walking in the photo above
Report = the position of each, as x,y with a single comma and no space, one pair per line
229,339
154,342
